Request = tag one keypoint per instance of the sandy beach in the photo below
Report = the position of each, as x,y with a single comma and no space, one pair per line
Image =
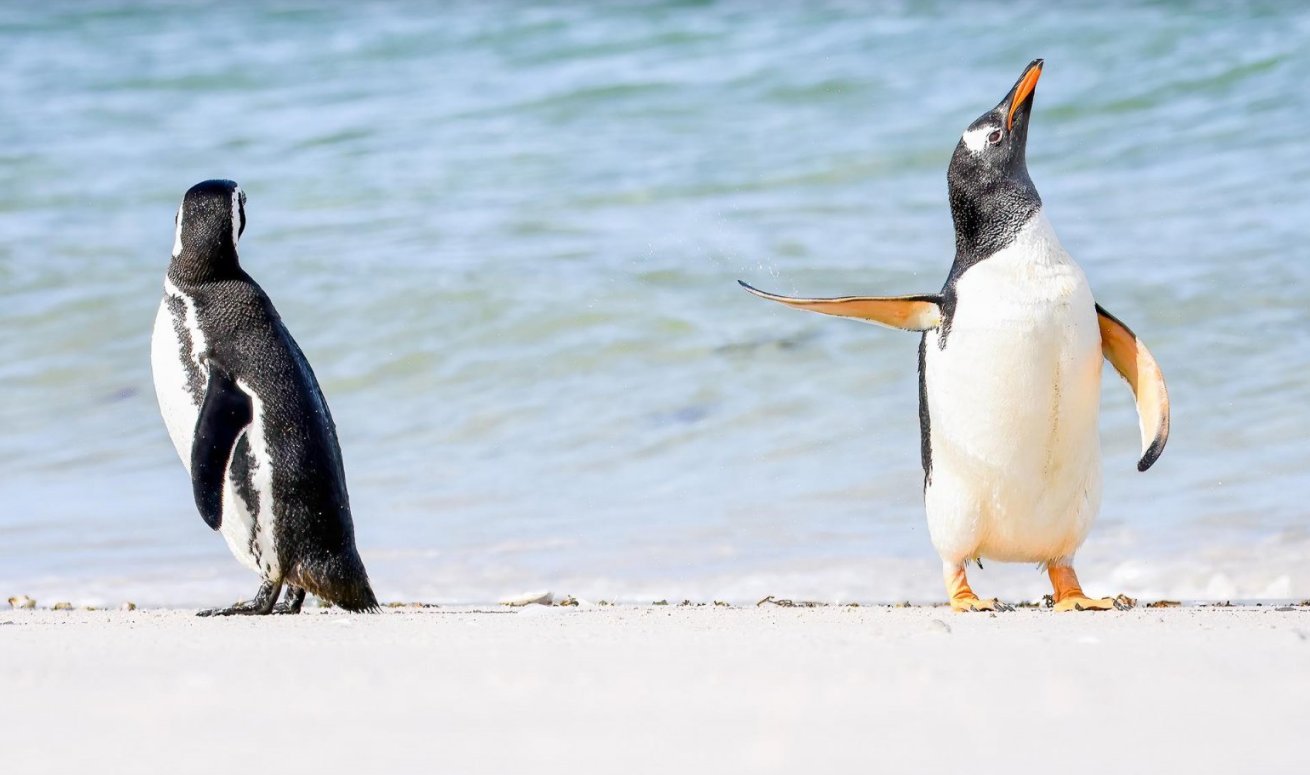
657,689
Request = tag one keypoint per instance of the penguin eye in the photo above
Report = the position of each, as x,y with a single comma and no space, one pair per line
994,137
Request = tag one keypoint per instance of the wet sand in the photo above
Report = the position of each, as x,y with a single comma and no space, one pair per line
657,689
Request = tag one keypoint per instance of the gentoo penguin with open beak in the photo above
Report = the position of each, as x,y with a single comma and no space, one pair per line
248,419
1010,371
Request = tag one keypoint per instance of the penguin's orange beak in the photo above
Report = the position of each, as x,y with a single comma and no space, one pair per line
1023,90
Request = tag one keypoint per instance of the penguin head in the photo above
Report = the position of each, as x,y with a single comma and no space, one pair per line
994,145
988,175
209,224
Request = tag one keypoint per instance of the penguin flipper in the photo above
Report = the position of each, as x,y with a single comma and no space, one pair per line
225,413
1134,362
909,313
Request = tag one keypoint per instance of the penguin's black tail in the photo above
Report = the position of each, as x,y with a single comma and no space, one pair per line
343,582
356,596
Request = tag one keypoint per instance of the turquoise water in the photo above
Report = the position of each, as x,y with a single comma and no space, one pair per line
508,241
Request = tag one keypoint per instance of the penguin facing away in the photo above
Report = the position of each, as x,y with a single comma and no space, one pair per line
1010,371
248,419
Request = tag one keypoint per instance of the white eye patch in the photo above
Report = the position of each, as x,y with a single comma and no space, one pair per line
976,139
236,215
177,234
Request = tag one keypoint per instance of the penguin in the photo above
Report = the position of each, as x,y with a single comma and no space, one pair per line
245,412
1010,359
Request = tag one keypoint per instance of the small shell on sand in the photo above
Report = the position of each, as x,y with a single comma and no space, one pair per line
543,597
128,606
22,601
62,607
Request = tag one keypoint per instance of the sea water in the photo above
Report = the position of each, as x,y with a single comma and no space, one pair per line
508,240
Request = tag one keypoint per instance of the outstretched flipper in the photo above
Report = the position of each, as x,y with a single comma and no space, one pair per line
909,313
1135,364
224,414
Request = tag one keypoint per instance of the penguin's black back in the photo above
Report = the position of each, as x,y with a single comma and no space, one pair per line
311,507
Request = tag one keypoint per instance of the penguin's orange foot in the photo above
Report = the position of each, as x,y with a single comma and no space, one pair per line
967,604
963,598
1069,595
1081,603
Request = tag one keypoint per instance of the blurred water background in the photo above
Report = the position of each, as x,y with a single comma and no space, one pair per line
508,239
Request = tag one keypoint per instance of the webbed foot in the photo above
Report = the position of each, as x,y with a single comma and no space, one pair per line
1069,595
292,601
962,595
967,604
262,605
1082,603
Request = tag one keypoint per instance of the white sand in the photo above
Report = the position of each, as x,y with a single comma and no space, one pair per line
655,689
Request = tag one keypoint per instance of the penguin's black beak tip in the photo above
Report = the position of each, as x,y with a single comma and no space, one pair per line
1021,95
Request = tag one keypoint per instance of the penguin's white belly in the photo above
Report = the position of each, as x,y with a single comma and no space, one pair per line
1013,404
179,407
175,346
